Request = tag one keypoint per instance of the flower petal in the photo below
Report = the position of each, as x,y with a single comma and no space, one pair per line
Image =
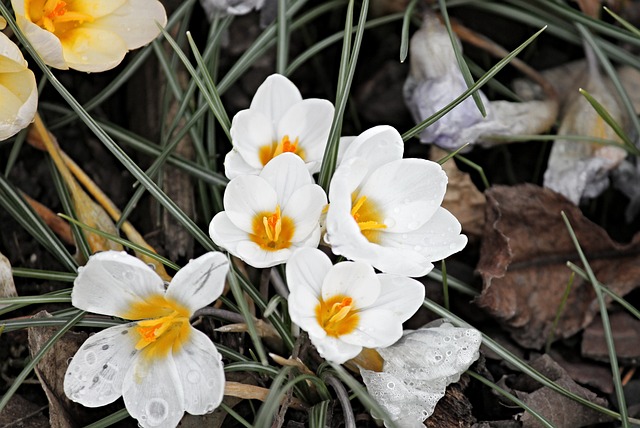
400,295
304,208
112,281
274,97
407,191
245,197
200,369
251,130
310,122
11,52
377,328
378,145
153,392
136,21
226,234
255,256
306,270
235,165
45,43
95,374
97,8
200,282
437,239
286,173
394,260
354,279
93,49
333,349
19,95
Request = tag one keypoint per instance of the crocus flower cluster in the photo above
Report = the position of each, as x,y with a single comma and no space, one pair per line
384,213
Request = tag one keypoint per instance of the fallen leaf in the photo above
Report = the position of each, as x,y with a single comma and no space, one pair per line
626,336
561,411
22,413
522,262
585,372
463,199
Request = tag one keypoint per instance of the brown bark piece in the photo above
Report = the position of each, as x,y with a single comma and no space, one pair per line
523,263
454,409
21,413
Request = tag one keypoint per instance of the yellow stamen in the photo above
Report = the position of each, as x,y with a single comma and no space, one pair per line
270,151
55,16
337,315
272,231
366,214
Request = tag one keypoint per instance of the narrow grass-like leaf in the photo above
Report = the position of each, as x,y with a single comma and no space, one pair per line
107,421
56,321
626,24
282,53
343,399
625,304
559,312
464,68
235,415
349,59
445,285
318,415
124,242
37,357
624,96
454,283
43,274
244,310
481,82
518,364
361,393
34,300
404,35
22,212
475,166
441,161
606,325
512,398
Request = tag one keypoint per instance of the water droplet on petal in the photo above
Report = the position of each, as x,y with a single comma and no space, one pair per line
90,358
193,376
157,411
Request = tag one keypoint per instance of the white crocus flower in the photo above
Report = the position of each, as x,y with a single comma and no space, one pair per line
160,365
267,216
348,306
18,90
385,210
278,121
88,35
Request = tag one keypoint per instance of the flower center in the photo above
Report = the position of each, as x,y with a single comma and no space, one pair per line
272,231
54,15
274,149
164,326
337,315
366,214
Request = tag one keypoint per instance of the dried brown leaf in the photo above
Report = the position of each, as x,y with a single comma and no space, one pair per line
522,262
626,336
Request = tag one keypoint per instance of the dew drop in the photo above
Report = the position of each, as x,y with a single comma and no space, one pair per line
193,376
157,411
413,225
90,358
453,246
390,222
396,210
391,385
105,347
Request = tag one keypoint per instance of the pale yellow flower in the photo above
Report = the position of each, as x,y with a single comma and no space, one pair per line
18,90
88,35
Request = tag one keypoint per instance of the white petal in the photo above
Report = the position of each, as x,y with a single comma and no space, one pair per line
96,8
251,130
200,369
437,239
19,95
400,295
93,49
302,305
112,281
45,43
310,122
136,21
377,328
245,197
255,256
335,350
286,173
200,282
226,234
378,145
304,208
95,374
345,142
395,260
306,269
274,97
235,165
153,392
11,51
353,279
407,191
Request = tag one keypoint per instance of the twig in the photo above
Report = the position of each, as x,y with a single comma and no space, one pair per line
219,313
278,283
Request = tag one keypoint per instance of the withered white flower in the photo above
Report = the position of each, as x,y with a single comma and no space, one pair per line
88,35
385,210
278,121
158,363
268,216
418,368
347,306
18,90
230,7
